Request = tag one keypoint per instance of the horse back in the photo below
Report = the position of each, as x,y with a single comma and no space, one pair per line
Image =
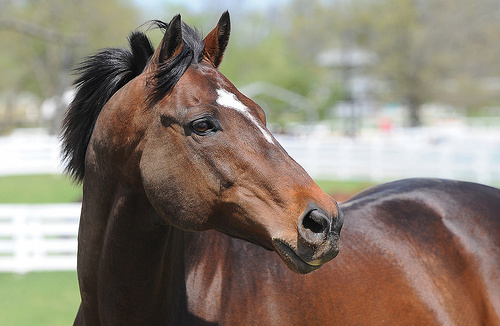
440,241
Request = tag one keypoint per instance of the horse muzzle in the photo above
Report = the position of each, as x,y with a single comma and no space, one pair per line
317,240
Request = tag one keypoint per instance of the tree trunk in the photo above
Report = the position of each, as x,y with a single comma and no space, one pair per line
414,106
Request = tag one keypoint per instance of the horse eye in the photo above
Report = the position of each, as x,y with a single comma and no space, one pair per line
203,126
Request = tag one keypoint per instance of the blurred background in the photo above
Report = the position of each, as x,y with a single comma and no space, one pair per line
358,91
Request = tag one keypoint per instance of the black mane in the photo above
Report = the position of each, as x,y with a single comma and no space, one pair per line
104,73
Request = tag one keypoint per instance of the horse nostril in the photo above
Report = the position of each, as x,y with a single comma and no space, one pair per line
314,226
314,223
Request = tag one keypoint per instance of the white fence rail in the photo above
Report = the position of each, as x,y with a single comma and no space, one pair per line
388,158
32,152
464,154
38,237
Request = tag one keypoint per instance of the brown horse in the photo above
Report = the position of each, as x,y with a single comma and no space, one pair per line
165,145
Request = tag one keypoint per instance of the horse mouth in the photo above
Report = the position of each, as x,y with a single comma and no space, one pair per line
292,260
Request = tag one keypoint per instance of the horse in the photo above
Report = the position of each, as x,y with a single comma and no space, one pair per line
193,214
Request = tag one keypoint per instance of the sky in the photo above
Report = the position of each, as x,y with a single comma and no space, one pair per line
196,5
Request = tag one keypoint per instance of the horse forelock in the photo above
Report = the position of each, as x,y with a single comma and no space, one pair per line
101,75
166,74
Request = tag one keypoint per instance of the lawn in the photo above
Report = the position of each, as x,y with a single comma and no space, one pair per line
343,189
48,298
38,189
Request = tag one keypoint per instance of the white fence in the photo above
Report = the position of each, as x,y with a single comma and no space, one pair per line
30,152
38,237
380,158
466,154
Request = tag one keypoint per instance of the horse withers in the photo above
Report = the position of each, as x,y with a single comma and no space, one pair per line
190,207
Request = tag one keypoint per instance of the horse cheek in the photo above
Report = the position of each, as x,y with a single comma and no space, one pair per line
174,194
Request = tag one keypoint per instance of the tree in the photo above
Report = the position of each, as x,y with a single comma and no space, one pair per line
44,39
427,50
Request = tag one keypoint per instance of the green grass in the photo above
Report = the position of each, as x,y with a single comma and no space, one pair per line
38,189
38,298
343,187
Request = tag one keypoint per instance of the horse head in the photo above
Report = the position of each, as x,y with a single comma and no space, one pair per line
182,134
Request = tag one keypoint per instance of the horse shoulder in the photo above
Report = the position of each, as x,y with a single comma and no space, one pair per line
438,238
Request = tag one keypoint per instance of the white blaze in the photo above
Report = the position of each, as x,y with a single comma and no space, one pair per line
230,101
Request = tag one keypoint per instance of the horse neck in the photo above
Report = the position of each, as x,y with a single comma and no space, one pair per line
125,253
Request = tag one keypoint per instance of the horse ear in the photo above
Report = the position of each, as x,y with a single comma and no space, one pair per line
171,43
216,41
